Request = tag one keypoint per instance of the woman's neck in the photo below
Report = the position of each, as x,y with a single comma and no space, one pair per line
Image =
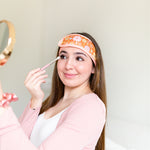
74,93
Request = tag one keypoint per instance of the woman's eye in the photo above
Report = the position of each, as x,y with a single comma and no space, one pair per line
63,57
80,59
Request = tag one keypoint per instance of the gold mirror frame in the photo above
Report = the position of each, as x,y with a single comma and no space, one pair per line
5,54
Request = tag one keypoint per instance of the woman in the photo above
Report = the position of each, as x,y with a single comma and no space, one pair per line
73,116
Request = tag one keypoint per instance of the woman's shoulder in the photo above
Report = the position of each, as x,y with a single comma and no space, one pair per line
91,99
89,110
89,103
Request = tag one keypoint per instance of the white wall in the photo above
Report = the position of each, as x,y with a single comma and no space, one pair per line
122,29
27,19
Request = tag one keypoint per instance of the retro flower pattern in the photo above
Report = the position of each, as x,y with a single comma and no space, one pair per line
80,42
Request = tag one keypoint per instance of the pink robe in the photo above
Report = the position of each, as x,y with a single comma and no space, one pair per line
78,128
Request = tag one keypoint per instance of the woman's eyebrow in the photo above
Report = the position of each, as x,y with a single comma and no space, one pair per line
63,52
76,53
80,53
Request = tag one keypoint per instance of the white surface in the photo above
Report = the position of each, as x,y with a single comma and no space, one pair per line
130,135
111,145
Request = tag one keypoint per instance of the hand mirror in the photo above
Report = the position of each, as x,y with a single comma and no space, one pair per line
7,40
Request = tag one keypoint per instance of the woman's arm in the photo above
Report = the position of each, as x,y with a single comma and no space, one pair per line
33,83
83,125
28,118
2,110
11,134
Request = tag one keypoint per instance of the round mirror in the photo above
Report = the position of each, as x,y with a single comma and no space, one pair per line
7,40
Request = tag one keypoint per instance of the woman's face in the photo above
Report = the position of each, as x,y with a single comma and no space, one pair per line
74,67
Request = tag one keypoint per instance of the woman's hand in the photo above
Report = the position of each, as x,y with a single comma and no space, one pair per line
33,83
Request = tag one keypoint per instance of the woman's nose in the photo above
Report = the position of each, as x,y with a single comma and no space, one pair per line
69,63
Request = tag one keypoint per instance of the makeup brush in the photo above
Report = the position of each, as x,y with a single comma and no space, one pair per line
50,63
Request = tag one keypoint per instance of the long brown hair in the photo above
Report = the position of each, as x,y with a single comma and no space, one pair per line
97,85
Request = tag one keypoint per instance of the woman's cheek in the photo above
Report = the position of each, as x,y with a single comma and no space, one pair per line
82,67
60,65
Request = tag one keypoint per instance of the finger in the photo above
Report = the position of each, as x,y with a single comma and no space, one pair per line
40,82
31,73
30,85
36,89
33,76
39,79
36,77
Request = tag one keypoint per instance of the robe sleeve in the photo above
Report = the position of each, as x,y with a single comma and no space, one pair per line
28,119
82,125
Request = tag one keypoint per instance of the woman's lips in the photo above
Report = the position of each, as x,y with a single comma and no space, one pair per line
68,75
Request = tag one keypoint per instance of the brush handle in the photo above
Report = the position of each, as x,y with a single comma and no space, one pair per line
50,63
45,66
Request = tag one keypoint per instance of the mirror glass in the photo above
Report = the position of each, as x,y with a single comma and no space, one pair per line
4,35
7,40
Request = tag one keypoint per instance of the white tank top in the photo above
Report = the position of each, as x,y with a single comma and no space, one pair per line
43,128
